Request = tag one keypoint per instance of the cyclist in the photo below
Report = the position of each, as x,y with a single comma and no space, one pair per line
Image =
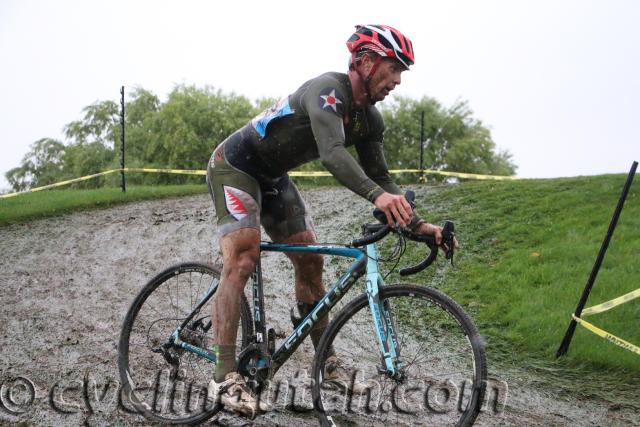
248,181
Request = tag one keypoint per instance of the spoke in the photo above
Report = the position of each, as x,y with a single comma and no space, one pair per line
199,291
157,317
190,292
430,346
178,292
168,289
152,307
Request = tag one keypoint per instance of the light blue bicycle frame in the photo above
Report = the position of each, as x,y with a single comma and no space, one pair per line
365,263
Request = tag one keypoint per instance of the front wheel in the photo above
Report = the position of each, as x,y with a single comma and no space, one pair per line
442,374
165,383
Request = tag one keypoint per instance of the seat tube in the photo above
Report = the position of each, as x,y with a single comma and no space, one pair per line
381,314
259,321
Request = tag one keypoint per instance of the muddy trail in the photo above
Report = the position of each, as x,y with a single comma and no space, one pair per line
68,281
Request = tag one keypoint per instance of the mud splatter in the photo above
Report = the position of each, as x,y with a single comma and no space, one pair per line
67,282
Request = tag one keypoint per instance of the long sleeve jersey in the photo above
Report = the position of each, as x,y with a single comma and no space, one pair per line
317,121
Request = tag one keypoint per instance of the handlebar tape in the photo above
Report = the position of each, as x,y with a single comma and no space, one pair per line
371,238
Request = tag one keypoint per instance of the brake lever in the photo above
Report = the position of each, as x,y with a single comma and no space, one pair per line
448,240
448,236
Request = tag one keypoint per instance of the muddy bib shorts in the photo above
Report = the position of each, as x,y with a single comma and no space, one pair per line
241,202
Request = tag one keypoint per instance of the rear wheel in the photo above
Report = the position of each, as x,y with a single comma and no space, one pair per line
443,368
163,382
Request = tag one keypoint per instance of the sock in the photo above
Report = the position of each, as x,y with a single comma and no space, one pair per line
226,361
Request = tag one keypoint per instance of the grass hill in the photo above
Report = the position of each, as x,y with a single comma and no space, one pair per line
527,248
42,204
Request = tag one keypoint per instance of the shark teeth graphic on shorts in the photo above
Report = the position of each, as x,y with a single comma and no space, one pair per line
238,202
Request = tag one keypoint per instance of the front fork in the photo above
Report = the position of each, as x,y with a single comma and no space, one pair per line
383,320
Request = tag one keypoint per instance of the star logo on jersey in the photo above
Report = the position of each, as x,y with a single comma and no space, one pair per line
331,100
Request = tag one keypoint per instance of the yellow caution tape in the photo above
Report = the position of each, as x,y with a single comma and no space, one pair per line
309,173
179,171
423,172
293,173
606,335
59,184
84,178
610,304
456,174
602,308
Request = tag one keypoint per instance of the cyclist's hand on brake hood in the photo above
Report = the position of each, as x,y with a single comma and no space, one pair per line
434,230
395,207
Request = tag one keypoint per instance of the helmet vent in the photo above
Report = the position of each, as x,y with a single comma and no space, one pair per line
385,43
395,37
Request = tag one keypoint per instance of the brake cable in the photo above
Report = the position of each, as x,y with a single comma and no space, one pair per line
396,255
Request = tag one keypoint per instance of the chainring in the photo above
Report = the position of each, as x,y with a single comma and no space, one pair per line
255,364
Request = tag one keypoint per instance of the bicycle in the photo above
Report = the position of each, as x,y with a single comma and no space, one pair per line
425,364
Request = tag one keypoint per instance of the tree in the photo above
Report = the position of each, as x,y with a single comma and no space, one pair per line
140,114
182,132
454,140
101,124
87,159
92,142
186,129
42,165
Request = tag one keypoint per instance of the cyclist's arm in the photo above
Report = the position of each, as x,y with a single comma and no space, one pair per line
371,155
328,131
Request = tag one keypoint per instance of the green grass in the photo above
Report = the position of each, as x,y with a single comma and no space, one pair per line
48,203
528,248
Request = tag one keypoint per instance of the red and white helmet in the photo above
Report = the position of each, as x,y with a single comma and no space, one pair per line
384,40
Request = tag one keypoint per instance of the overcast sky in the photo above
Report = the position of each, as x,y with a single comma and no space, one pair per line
557,82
